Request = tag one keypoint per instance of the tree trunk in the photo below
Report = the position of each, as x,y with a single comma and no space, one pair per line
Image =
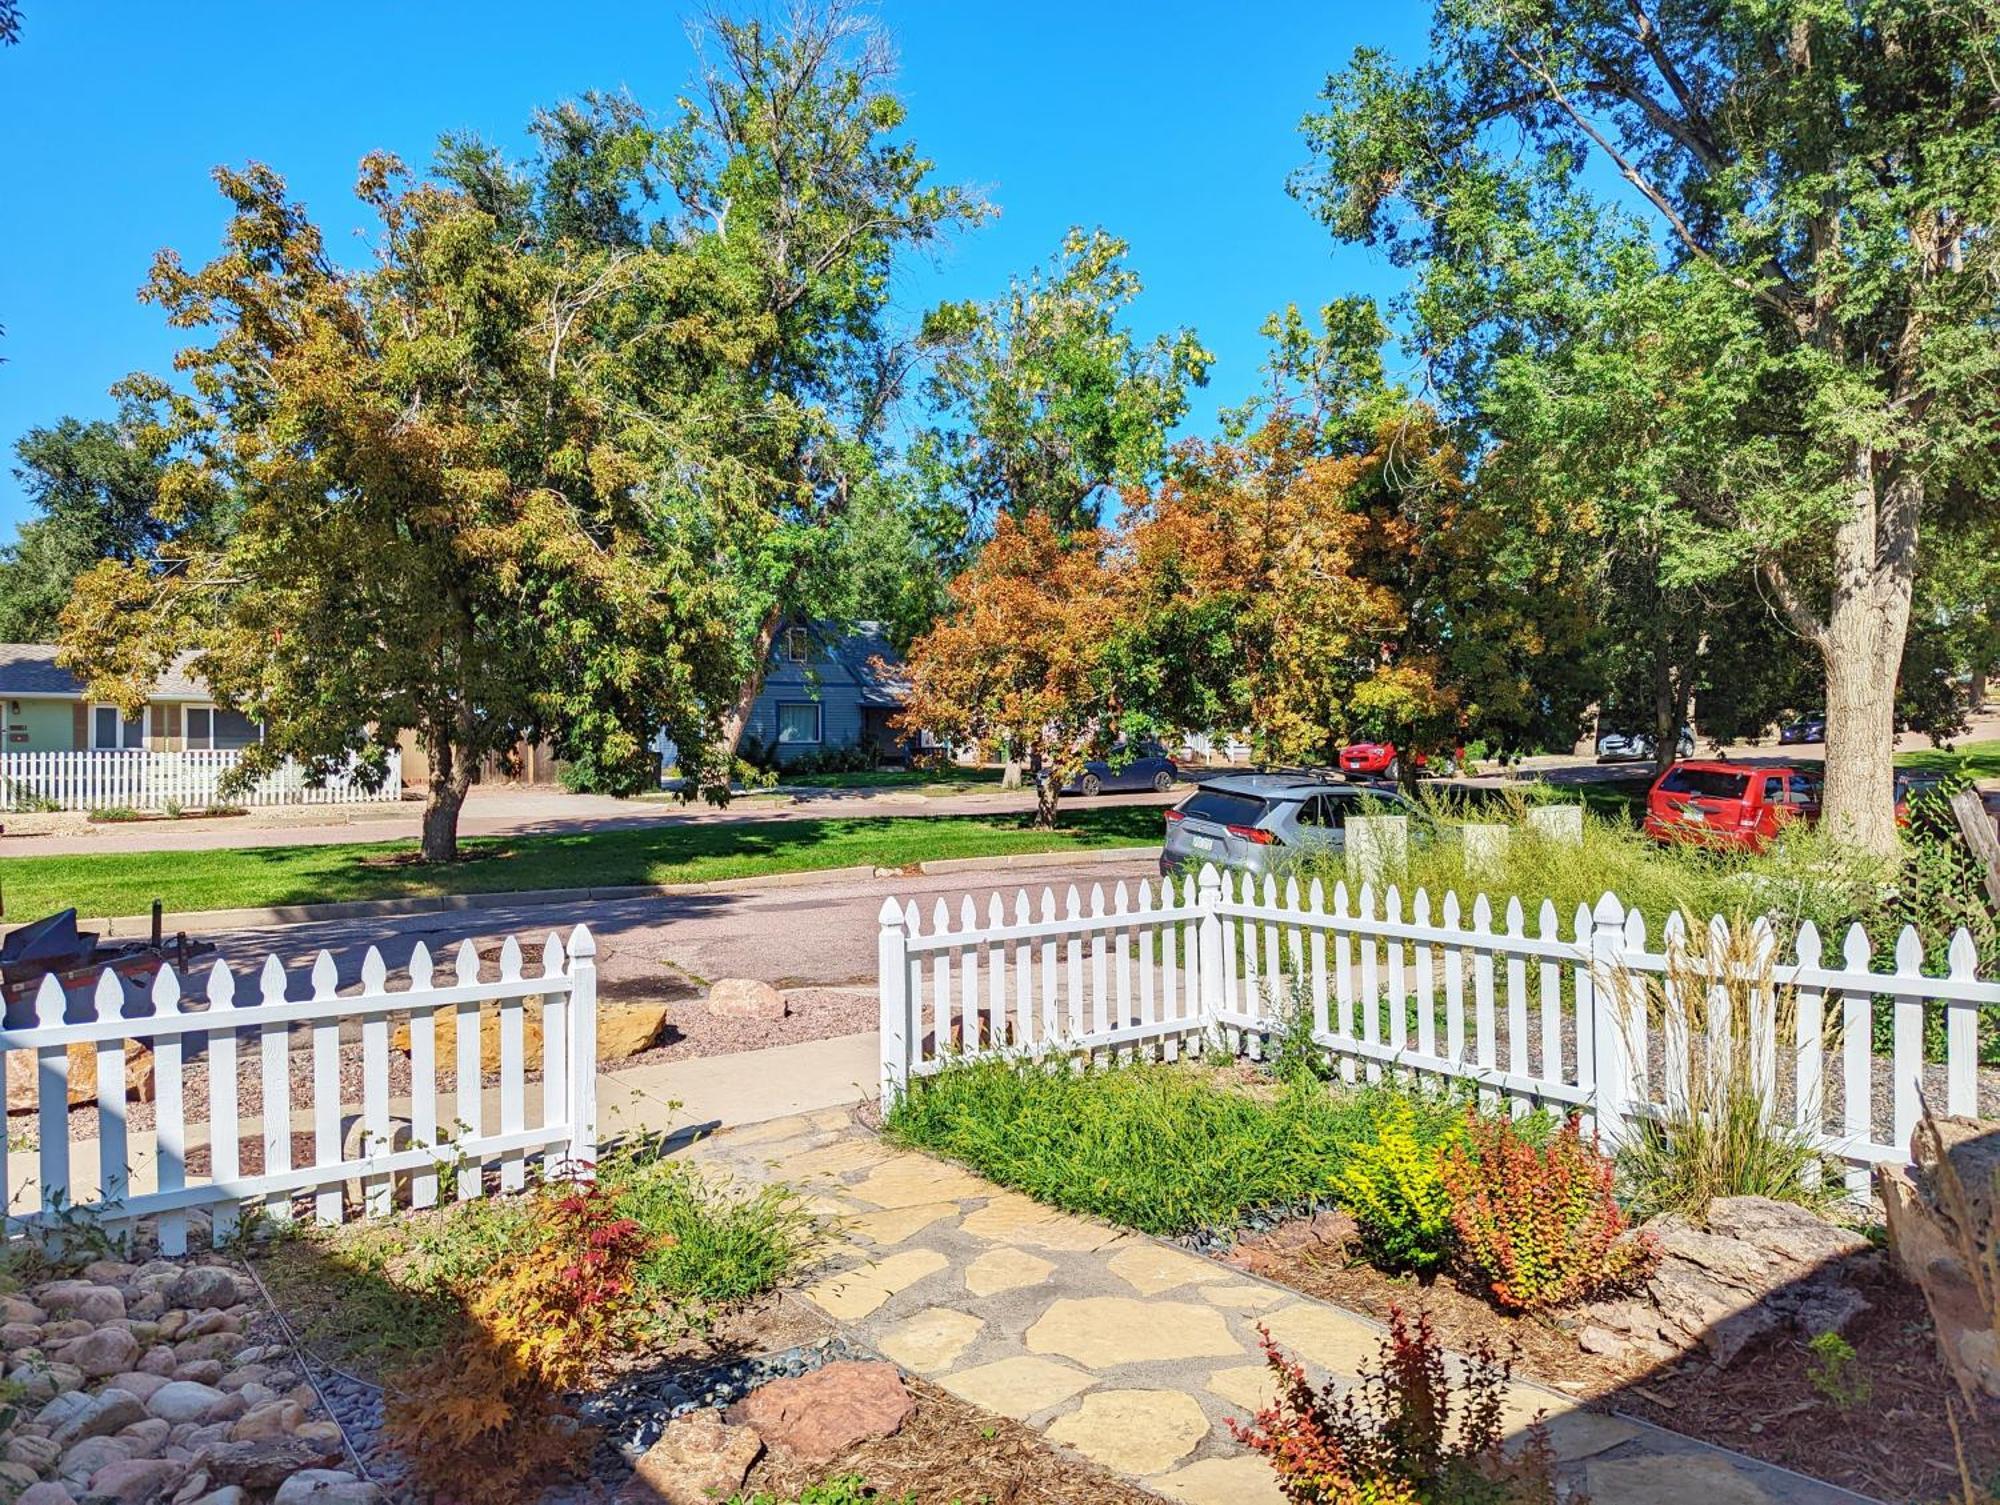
1047,793
738,716
1666,709
451,778
1862,645
1010,774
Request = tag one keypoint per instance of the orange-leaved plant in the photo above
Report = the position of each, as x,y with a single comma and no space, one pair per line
486,1420
1539,1224
1396,1443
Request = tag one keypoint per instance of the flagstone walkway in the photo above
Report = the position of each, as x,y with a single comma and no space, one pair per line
1123,1347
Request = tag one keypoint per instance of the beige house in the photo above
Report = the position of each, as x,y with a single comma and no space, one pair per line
43,708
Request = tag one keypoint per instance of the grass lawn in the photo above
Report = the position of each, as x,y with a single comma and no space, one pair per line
1976,760
116,883
941,780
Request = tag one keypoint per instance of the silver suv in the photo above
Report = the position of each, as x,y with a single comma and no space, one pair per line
1260,822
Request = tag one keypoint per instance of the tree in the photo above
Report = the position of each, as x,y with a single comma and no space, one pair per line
439,522
97,490
1050,404
1021,654
1822,210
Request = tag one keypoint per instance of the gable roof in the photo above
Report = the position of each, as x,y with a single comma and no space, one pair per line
30,669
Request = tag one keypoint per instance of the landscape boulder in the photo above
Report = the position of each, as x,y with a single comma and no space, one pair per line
745,998
1941,1217
698,1460
623,1030
23,1092
815,1417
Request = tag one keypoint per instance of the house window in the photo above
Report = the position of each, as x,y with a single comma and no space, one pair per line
111,731
797,648
216,728
798,722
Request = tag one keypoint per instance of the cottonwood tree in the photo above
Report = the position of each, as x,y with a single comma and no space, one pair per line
1020,655
437,524
1820,204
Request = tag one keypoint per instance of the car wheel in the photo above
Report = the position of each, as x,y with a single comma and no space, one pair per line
1091,786
1163,781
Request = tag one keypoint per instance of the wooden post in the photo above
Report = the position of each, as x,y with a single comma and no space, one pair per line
1612,1076
1208,899
583,1055
892,972
1969,810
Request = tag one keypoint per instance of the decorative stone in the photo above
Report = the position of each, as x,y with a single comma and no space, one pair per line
48,1492
184,1400
1151,1268
745,998
1250,1386
1243,1298
135,1481
264,1464
147,1437
326,1486
276,1418
202,1286
915,1180
96,1415
1010,1218
1671,1479
15,1335
1940,1249
85,1299
896,1224
817,1416
37,1453
102,1353
623,1029
1102,1332
85,1458
24,1092
855,1293
1005,1270
1335,1342
931,1340
698,1460
1134,1431
1019,1387
1243,1480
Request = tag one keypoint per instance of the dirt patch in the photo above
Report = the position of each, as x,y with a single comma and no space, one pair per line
1895,1445
951,1451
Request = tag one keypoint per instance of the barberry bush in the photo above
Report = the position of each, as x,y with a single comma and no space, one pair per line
1392,1184
1408,1436
1539,1223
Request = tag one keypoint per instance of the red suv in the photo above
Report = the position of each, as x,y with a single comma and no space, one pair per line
1379,758
1729,804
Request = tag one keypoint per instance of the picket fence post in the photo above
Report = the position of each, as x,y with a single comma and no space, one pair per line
892,971
1609,1048
583,1054
1214,990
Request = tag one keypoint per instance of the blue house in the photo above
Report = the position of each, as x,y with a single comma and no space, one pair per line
822,690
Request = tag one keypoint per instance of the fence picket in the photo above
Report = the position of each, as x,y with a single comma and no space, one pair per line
1485,1048
1906,1063
423,1077
1517,1001
1454,985
1857,1073
326,1088
169,1114
1398,981
469,1071
970,1037
1961,1030
1024,976
556,1043
113,1172
224,1152
513,1068
1343,977
375,1138
996,997
1551,982
274,1066
1420,916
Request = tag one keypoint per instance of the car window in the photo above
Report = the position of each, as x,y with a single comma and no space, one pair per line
1322,811
1707,783
1223,808
1802,788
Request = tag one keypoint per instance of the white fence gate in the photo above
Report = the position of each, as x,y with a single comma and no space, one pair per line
240,1030
141,780
1533,1012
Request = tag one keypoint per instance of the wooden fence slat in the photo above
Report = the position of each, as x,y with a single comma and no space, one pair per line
468,1076
224,1127
513,1068
169,1113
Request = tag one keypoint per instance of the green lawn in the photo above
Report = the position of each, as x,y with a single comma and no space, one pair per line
942,780
1976,760
115,883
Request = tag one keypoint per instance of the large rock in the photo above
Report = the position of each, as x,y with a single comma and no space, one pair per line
623,1029
326,1486
23,1093
136,1481
264,1464
1941,1217
698,1460
815,1417
202,1286
745,998
1757,1266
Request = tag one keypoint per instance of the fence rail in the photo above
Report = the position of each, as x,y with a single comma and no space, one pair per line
147,780
1531,1009
440,1142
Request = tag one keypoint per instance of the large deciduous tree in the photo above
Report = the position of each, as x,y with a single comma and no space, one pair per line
1823,208
440,522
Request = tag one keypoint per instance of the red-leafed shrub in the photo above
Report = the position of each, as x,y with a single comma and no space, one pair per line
1539,1223
1407,1439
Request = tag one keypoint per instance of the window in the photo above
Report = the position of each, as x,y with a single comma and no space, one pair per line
212,727
1708,783
1324,810
798,722
1223,809
111,732
797,648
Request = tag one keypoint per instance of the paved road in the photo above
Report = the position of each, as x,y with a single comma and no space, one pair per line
819,933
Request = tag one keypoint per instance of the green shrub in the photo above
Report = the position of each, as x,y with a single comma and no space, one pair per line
848,1489
1393,1184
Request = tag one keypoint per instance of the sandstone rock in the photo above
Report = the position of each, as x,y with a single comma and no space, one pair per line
326,1486
15,1335
201,1371
623,1029
37,1453
45,1493
55,1334
745,998
264,1464
24,1093
816,1416
1941,1219
85,1299
137,1481
202,1286
109,1272
102,1353
92,1415
276,1418
139,1383
79,1462
184,1400
20,1309
698,1460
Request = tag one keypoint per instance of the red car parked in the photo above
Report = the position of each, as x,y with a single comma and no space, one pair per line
1376,758
1729,804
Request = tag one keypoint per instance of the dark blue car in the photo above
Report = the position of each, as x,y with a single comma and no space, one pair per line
1149,767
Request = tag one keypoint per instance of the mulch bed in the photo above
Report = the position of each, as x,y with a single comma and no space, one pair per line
1896,1445
950,1451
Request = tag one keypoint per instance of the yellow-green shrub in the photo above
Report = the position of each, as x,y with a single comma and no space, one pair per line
1392,1183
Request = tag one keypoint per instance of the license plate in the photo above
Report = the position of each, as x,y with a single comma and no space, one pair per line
1695,814
1202,843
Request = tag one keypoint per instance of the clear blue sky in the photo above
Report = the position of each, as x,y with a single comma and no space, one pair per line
1172,124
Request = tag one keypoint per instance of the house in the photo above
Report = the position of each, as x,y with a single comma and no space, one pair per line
43,708
822,690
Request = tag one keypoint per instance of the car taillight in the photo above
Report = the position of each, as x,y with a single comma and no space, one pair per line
1175,815
1255,834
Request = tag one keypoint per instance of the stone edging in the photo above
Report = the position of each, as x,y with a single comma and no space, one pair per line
129,927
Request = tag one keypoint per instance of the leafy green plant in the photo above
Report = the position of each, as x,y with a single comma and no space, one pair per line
1834,1371
113,814
848,1489
1538,1223
1392,1182
1393,1441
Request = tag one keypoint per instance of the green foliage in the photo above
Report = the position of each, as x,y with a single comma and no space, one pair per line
847,1489
1835,1372
1392,1182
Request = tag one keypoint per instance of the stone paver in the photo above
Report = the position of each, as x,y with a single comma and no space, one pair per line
1132,1351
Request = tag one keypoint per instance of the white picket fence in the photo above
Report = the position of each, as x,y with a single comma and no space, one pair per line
1551,1012
145,780
242,1028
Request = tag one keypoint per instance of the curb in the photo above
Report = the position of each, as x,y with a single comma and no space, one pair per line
133,927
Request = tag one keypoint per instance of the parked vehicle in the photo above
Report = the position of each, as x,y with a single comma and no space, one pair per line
1736,805
1637,747
1914,784
1805,729
1148,768
1256,821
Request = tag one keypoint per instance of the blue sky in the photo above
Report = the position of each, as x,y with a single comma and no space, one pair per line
1172,124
